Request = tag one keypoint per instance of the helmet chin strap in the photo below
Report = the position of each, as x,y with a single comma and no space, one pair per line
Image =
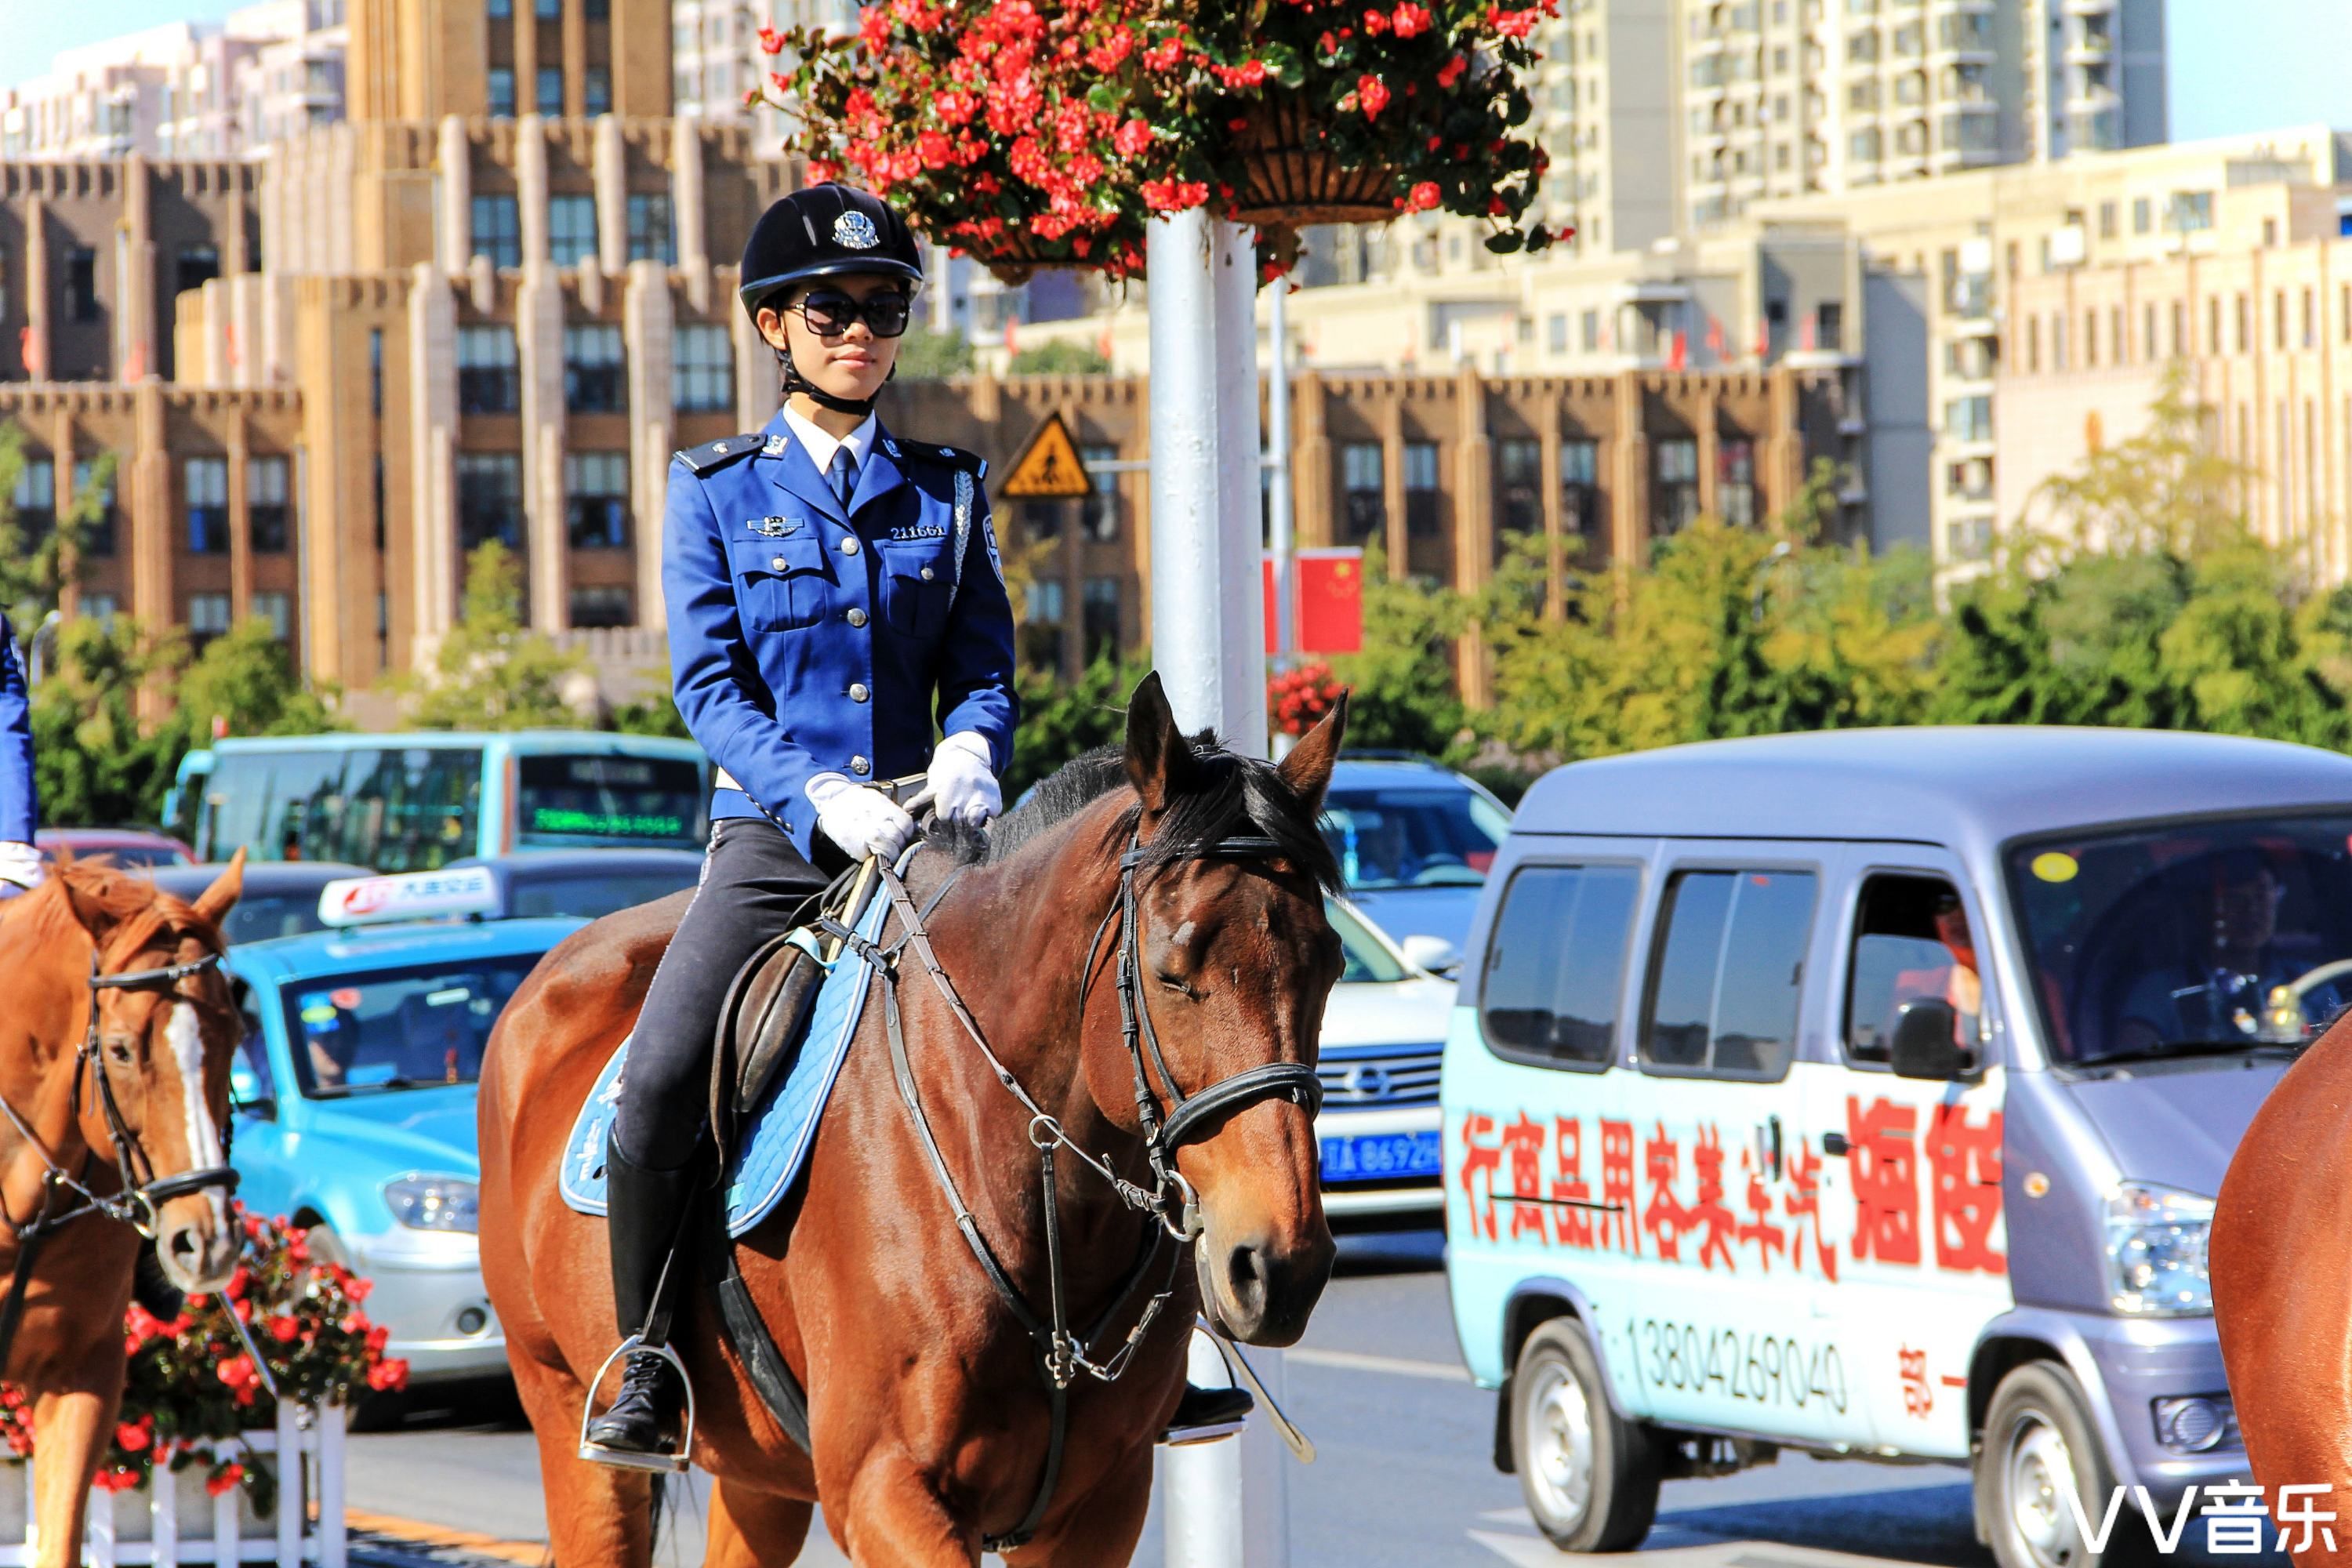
795,383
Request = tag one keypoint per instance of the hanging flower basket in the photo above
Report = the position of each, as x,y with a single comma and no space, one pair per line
1031,135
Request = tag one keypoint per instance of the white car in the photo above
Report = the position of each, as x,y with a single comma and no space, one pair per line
1383,1032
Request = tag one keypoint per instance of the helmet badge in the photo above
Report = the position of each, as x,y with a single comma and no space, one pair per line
856,231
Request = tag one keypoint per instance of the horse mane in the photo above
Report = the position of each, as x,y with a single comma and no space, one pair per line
1229,796
141,911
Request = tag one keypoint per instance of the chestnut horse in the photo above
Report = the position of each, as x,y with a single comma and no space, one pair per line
2281,1256
116,1036
1195,872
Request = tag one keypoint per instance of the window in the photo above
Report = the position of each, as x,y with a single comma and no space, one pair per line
267,513
548,10
376,372
1556,962
603,604
2143,214
595,371
1519,484
208,616
1677,481
490,498
571,229
2245,323
2147,348
596,492
2310,320
489,377
597,10
2180,328
197,265
2106,220
549,99
1361,483
704,380
502,97
2057,340
1734,486
1911,943
2090,339
1969,418
2213,325
501,10
498,230
101,607
35,498
97,542
278,610
1580,493
207,499
1098,512
2278,319
1041,623
1723,987
1420,489
596,91
82,283
1591,325
1099,625
1555,332
649,230
1829,324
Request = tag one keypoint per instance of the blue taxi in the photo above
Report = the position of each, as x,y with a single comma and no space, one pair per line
355,1095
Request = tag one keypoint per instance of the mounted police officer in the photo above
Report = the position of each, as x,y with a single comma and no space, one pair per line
829,585
20,863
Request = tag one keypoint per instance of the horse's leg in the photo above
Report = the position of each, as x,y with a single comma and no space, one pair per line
1100,1529
597,1516
72,1421
892,1519
754,1529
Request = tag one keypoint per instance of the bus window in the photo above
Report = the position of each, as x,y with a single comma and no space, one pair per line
409,809
256,801
657,802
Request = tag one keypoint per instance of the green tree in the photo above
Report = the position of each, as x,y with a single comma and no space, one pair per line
927,355
655,714
492,672
1061,356
1060,720
93,762
34,565
1402,694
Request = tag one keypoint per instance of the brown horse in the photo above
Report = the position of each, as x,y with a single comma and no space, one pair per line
116,1035
931,1425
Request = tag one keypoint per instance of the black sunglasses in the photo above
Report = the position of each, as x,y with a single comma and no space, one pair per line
830,314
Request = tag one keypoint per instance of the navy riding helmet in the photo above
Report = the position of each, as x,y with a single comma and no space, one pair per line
826,231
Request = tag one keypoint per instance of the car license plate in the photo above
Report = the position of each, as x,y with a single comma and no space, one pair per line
1383,1156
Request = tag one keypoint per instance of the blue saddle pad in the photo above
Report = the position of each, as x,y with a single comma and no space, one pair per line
776,1144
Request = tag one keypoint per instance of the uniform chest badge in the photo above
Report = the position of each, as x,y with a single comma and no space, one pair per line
772,527
856,231
911,530
775,446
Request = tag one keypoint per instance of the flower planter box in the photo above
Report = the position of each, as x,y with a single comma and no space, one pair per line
174,1520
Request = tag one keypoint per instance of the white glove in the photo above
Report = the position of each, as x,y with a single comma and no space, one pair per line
862,821
962,785
20,866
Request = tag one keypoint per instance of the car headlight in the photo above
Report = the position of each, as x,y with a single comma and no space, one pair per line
434,1202
2156,1251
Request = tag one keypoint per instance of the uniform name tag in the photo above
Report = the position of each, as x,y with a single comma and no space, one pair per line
772,527
919,531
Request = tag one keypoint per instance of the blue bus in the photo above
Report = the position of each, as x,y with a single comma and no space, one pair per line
414,802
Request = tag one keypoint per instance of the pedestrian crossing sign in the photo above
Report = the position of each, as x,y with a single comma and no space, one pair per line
1049,468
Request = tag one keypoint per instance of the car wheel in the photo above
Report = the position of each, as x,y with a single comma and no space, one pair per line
2041,1475
378,1410
1591,1480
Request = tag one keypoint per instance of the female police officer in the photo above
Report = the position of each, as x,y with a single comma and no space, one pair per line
824,579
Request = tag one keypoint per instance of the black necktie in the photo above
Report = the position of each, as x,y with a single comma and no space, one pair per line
843,476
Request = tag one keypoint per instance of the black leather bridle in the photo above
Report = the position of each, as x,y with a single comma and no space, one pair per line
1169,1206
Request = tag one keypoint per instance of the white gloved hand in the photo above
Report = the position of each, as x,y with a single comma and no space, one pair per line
862,821
20,866
962,784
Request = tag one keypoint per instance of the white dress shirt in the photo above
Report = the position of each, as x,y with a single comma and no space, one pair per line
822,445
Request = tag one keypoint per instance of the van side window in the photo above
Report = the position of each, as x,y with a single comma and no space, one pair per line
1556,962
1722,997
1911,943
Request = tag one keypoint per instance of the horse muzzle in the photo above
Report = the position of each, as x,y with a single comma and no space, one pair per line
1260,1290
196,1236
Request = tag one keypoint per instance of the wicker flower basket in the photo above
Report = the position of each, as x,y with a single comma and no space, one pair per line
1292,177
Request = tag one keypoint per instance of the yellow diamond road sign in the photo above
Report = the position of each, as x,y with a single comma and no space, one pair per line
1049,468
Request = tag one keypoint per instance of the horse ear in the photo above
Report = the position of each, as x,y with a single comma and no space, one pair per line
1160,761
1307,769
87,907
214,901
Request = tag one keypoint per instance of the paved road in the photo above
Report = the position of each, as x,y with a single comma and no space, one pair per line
1404,1478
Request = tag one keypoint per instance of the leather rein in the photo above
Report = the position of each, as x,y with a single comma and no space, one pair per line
1169,1208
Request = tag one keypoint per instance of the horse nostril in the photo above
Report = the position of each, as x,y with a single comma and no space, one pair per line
1245,1279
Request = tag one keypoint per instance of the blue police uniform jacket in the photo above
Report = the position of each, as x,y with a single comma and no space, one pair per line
18,810
808,638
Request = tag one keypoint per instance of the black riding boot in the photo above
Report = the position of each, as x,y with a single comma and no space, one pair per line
643,1215
1207,1413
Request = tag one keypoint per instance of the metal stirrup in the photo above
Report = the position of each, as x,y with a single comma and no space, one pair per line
627,1460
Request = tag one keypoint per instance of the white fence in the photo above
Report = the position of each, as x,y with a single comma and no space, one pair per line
174,1520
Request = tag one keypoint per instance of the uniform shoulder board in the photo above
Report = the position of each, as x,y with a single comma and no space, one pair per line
718,454
971,463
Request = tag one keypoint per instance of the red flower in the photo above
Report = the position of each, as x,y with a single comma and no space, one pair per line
1372,95
222,1480
285,1330
133,1436
1425,195
1451,71
1512,23
239,1283
772,42
1134,139
1411,20
1376,23
1326,42
115,1480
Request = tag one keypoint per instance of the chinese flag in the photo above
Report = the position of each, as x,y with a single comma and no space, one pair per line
1012,334
1678,351
1715,337
1329,590
29,347
1763,339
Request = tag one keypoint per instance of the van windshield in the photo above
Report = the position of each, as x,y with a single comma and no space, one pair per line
2192,939
1412,836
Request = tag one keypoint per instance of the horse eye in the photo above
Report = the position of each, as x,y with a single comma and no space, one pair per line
120,1049
1177,983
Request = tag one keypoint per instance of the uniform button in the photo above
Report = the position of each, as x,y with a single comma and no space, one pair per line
778,564
927,573
860,766
856,617
849,546
857,692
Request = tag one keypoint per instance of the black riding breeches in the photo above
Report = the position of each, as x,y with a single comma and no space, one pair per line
754,884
